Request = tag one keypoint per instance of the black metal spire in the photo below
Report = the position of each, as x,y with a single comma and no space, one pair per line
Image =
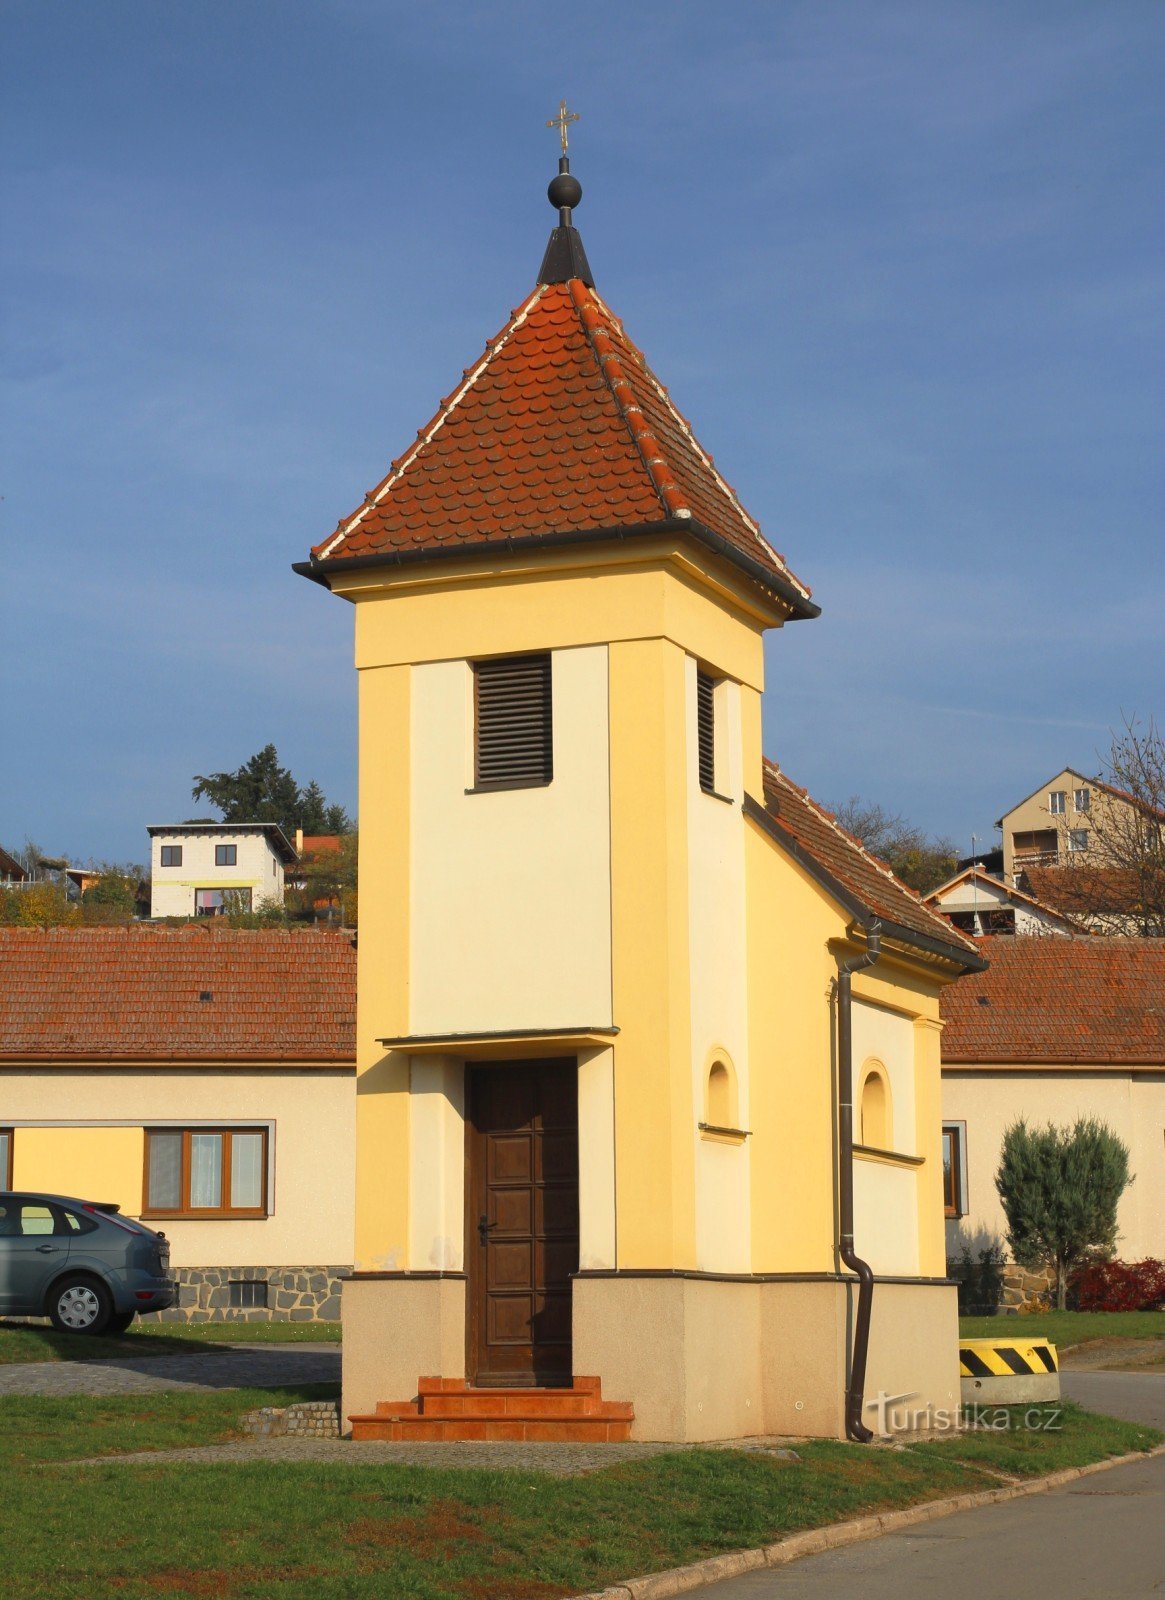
565,257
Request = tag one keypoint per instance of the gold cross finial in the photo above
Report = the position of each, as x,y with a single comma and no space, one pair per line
562,122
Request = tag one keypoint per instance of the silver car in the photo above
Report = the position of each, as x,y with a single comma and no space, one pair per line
80,1263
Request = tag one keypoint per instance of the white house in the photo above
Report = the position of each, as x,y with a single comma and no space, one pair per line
201,869
977,903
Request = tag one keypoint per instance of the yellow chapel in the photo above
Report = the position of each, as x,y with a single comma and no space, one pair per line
648,1104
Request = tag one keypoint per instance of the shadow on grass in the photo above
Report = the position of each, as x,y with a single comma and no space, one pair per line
22,1341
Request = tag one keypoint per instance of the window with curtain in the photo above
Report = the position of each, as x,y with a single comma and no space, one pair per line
206,1172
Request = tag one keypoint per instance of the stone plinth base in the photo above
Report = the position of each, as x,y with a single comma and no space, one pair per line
395,1330
705,1358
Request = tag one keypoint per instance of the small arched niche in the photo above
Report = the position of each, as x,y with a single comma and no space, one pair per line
875,1115
721,1119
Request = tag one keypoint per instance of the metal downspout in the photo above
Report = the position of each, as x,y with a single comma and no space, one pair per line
855,1428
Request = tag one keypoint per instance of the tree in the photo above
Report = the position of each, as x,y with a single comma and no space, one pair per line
1117,885
316,816
1060,1188
329,878
43,904
113,897
263,791
919,859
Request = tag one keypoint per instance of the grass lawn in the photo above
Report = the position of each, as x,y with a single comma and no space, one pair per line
30,1341
1068,1327
279,1530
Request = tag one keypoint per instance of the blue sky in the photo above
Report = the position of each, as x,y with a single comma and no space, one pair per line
901,264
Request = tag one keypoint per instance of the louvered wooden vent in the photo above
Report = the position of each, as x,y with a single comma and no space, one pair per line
706,730
514,745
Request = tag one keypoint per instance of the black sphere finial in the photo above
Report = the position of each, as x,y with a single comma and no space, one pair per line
565,191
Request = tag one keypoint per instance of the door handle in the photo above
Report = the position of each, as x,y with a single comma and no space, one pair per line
46,1249
483,1227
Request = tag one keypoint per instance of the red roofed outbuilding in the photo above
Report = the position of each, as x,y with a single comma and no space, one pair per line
1057,1028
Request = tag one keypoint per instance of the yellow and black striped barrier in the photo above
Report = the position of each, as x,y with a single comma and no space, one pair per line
1008,1371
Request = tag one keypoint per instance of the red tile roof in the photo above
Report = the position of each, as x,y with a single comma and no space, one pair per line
1060,1000
1079,890
869,882
136,994
560,428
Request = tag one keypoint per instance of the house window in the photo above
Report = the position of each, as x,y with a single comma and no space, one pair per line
1058,802
226,855
513,745
6,1157
206,1172
1083,799
955,1169
706,730
875,1121
221,902
171,855
1078,839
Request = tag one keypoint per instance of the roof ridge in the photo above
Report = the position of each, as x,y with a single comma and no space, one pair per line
671,497
444,411
875,861
707,460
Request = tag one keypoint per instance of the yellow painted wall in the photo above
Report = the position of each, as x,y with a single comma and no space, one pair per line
86,1163
382,970
436,1164
790,1051
311,1196
654,1104
510,890
717,944
561,601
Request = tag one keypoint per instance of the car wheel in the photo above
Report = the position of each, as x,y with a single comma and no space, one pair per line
80,1305
120,1321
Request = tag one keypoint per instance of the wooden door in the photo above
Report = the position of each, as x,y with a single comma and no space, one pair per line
522,1221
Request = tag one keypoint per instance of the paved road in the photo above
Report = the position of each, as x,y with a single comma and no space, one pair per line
1099,1538
246,1367
1135,1396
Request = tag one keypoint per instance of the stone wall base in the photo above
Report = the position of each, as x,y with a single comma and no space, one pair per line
283,1294
307,1419
1025,1290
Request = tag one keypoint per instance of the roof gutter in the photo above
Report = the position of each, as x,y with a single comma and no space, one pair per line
931,944
855,1428
801,607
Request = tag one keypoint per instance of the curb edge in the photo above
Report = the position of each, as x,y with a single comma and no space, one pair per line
682,1580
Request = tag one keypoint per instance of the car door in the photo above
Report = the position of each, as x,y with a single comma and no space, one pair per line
34,1246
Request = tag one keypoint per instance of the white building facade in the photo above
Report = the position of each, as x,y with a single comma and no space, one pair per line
208,869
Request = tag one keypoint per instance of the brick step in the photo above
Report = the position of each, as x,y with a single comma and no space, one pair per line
427,1386
451,1409
491,1430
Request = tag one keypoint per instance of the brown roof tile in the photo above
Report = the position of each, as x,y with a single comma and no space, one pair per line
134,994
1078,890
869,881
560,427
1060,1000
